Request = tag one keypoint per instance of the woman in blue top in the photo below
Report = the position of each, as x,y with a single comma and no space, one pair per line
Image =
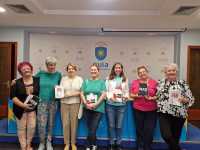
47,106
117,94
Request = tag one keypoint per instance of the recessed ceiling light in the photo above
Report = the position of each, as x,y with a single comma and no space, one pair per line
52,32
2,10
151,33
105,1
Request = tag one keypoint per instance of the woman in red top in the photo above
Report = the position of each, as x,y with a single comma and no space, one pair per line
143,91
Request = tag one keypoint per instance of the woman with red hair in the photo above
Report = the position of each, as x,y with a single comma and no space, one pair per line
24,87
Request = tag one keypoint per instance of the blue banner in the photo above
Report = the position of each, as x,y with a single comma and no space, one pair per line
102,132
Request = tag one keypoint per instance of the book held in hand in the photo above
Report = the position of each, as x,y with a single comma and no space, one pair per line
33,101
143,89
174,95
91,98
118,95
59,92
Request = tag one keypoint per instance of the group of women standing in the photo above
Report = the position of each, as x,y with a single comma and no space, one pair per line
169,97
41,85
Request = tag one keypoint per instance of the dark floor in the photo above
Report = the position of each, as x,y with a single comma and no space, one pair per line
156,146
12,146
195,123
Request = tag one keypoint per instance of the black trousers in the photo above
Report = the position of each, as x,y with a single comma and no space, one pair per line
170,128
92,121
145,123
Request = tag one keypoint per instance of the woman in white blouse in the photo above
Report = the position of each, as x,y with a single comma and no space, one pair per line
117,95
70,105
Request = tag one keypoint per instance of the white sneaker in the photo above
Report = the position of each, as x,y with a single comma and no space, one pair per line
94,147
41,146
49,145
87,148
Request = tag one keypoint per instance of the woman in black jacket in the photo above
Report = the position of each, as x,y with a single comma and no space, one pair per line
25,89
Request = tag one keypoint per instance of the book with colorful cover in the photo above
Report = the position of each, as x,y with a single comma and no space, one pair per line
143,89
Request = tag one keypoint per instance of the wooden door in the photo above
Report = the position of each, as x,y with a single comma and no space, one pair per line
194,80
7,73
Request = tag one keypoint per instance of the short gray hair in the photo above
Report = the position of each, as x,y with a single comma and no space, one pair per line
50,60
173,65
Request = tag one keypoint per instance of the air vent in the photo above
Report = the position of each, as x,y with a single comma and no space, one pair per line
19,8
186,10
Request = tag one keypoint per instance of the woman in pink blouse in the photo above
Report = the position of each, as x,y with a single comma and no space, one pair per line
143,91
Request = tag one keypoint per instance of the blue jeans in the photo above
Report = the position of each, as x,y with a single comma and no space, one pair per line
115,115
92,121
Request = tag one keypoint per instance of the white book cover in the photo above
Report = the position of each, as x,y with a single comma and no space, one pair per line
174,95
91,98
59,92
118,95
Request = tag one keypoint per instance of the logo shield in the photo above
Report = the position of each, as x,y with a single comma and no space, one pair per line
100,53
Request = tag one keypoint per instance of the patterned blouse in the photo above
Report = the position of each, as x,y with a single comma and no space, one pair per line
164,101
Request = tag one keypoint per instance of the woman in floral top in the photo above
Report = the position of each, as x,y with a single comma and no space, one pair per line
174,99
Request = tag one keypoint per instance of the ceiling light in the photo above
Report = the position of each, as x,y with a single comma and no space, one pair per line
144,30
52,32
151,33
2,10
105,1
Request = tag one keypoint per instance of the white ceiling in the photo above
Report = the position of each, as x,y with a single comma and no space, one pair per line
124,14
